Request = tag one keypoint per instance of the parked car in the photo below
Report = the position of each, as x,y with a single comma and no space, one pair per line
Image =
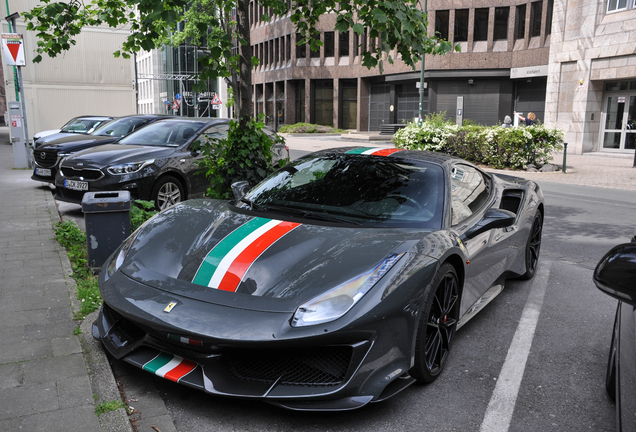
615,275
48,156
78,125
337,281
157,163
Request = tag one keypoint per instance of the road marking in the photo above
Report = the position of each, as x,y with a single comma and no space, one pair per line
502,403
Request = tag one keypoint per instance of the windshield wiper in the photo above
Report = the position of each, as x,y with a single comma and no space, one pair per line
312,215
253,205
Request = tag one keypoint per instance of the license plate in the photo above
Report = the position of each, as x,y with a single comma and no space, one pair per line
44,172
76,185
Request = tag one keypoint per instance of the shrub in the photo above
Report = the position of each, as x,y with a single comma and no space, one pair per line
496,146
308,128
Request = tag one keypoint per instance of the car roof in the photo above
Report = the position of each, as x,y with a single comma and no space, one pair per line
93,118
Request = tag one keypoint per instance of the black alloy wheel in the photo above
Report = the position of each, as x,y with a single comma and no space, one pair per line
438,324
533,247
167,192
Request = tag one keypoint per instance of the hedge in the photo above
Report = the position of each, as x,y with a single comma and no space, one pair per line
499,147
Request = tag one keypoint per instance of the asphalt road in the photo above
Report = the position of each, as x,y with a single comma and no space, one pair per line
533,360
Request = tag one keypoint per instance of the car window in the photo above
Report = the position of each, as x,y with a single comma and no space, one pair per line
120,127
377,191
82,126
163,133
470,189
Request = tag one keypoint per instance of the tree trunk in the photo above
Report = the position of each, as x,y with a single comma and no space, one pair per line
245,62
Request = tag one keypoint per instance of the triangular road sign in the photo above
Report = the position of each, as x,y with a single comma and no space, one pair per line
216,100
14,48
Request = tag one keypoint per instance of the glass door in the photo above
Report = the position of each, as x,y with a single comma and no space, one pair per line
630,125
614,113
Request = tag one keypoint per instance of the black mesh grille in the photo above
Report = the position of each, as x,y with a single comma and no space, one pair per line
129,330
325,366
45,158
88,174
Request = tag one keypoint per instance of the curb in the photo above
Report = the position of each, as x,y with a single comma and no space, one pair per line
99,373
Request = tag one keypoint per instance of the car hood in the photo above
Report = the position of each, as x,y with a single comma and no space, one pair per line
276,269
77,142
56,136
112,154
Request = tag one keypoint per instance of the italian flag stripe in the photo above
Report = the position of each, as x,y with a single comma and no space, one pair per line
229,260
185,340
169,366
374,151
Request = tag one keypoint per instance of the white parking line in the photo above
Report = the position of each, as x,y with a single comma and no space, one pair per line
502,403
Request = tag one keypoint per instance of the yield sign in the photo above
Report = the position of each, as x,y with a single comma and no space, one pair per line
216,100
13,49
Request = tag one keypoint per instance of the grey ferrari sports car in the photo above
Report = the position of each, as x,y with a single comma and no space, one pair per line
337,281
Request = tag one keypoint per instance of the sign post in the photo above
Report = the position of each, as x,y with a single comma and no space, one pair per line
13,53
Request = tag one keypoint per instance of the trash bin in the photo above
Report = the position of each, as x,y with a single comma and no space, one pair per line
107,220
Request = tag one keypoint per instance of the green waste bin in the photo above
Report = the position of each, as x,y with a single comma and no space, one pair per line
107,220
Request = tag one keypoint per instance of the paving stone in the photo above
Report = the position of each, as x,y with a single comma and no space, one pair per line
74,392
10,376
23,318
49,331
83,420
11,264
21,351
54,368
60,314
66,346
27,400
33,271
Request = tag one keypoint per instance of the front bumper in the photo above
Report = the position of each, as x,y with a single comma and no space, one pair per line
140,188
343,370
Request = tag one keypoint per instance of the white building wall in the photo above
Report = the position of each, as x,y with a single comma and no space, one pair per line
86,80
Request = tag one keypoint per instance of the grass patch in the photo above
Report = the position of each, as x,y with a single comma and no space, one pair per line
73,240
309,128
77,331
105,407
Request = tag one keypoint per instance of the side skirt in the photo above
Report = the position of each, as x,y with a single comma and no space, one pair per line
486,298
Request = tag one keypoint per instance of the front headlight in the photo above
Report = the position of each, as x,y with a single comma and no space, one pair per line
336,302
128,168
118,260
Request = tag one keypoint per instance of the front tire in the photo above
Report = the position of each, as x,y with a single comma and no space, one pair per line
167,192
438,324
533,247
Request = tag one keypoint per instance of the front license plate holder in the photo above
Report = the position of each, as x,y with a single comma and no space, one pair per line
76,185
44,172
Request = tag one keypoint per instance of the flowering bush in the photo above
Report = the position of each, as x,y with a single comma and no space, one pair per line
496,146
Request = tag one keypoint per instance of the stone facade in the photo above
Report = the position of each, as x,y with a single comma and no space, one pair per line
589,47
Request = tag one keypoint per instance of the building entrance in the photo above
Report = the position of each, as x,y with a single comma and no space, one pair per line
619,121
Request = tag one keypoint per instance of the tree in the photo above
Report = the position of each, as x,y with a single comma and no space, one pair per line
223,24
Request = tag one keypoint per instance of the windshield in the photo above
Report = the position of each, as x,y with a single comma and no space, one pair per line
360,189
164,133
83,126
120,127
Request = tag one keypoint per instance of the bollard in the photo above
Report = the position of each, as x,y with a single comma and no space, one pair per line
107,218
565,156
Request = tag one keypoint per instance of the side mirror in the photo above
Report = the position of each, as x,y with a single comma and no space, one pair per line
239,189
494,218
615,273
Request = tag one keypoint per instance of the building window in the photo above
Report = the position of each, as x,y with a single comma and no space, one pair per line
329,44
363,48
548,26
535,18
501,23
323,102
616,5
441,24
301,50
356,44
316,53
287,47
520,22
343,44
461,25
300,101
481,25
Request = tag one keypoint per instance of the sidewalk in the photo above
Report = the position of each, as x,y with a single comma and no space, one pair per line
44,376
